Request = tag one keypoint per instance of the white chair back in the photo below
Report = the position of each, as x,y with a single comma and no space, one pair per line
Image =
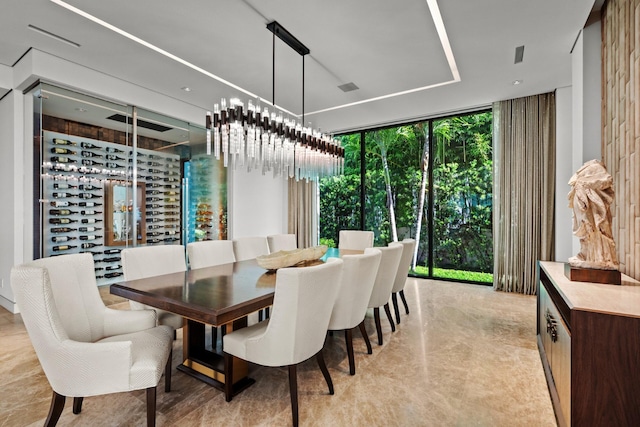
73,285
148,261
304,298
282,242
358,277
386,274
246,248
355,239
408,246
210,253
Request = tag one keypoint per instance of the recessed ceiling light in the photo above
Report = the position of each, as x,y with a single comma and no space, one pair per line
82,110
516,82
186,89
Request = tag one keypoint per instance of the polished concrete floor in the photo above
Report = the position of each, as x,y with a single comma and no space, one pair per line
464,356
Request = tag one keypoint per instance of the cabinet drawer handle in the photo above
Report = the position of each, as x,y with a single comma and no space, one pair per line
552,328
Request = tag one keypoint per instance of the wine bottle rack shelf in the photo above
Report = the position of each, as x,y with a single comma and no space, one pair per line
75,172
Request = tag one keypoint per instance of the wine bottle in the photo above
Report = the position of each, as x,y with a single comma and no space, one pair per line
90,196
153,227
62,195
86,229
171,186
152,213
61,159
61,212
154,156
88,145
112,275
89,162
156,171
61,220
63,186
154,164
112,251
153,240
111,259
63,230
94,253
89,187
89,204
98,268
171,206
62,204
171,193
171,239
153,206
89,154
114,157
89,245
60,150
170,233
155,178
90,220
154,185
154,234
113,267
113,150
63,248
171,180
60,141
172,226
112,165
170,199
154,219
153,199
57,239
153,192
91,212
171,219
90,237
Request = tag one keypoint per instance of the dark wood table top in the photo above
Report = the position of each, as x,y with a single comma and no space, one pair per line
213,295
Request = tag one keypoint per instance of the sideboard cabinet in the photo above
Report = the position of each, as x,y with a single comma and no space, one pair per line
589,343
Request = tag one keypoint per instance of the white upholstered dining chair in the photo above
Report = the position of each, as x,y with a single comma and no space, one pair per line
210,253
384,283
358,277
355,239
246,248
85,348
282,242
147,261
408,245
302,305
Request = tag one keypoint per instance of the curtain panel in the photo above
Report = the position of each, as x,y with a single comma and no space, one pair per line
523,197
302,211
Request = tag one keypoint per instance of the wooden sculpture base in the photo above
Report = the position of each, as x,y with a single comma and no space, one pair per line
609,277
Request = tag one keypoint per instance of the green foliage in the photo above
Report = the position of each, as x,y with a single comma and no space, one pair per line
462,183
329,242
460,275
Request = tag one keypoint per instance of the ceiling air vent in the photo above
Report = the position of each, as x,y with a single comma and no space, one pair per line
519,54
142,123
348,87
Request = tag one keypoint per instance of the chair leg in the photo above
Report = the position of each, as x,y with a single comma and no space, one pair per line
387,310
175,335
293,392
394,300
260,315
214,338
376,316
151,407
365,335
77,405
57,404
228,377
266,312
404,301
348,336
325,371
167,372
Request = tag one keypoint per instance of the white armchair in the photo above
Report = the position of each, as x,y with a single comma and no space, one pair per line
282,242
358,277
296,331
85,348
384,283
210,253
250,247
408,245
355,239
148,261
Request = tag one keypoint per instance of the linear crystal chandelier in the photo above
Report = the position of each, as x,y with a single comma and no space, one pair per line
255,138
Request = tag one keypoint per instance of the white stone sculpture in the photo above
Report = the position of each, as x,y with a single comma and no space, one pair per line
283,259
590,198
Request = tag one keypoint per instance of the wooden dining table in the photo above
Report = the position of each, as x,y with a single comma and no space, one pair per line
216,296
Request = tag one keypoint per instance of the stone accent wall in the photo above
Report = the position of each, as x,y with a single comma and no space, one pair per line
621,124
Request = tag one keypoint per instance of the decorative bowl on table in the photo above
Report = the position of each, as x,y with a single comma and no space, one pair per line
282,259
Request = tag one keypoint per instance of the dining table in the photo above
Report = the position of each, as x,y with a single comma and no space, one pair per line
222,295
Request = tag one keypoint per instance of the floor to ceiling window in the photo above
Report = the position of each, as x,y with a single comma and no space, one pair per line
428,180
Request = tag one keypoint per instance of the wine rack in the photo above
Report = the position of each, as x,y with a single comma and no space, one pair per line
75,172
205,211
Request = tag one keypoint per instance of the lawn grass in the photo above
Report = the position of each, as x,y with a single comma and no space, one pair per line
465,276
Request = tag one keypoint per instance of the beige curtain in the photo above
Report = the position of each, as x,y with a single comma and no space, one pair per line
302,203
523,199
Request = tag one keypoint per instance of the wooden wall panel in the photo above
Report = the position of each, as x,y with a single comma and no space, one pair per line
621,124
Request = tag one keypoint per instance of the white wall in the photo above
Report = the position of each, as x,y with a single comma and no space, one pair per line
7,213
564,170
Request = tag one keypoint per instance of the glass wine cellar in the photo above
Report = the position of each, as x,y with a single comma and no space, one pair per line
111,176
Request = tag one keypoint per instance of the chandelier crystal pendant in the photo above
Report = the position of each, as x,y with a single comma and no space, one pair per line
257,140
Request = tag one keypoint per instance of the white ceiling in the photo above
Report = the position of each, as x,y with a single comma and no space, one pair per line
382,46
